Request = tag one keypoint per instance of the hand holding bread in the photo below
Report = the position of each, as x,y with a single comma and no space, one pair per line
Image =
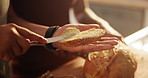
116,61
74,46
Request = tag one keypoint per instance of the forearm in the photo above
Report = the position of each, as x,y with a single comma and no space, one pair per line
40,29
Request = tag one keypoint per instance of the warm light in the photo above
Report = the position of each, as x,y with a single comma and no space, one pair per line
138,45
145,47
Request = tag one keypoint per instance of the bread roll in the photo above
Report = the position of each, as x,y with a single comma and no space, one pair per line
48,74
115,63
81,38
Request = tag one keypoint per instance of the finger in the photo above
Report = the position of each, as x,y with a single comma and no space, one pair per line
17,50
112,42
108,38
31,35
118,37
83,27
110,35
23,43
90,48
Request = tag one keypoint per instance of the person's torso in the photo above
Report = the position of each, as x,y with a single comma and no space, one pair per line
4,4
38,59
46,12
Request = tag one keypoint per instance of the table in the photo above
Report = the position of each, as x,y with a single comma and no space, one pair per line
74,67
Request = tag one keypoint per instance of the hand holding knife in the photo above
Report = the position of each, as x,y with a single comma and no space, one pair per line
52,39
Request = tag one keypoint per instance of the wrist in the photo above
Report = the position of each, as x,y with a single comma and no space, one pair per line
49,33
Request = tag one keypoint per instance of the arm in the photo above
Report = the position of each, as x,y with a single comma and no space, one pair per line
13,18
40,29
85,15
14,40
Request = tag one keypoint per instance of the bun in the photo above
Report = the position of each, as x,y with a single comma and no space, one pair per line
115,63
81,38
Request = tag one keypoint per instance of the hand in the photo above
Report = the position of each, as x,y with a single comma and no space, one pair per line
121,38
81,27
14,40
110,31
103,44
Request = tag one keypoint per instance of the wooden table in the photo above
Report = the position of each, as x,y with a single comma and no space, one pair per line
74,67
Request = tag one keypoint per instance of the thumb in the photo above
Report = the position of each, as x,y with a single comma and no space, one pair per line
30,35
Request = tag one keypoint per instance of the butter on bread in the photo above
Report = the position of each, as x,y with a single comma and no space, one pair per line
83,37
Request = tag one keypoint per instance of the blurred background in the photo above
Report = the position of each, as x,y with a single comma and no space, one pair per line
129,17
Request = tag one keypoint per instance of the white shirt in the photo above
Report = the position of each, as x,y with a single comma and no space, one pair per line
4,4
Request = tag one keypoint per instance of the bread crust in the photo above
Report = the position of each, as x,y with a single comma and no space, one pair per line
121,64
118,62
78,42
80,39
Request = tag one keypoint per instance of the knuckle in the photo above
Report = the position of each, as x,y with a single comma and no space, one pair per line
12,24
11,30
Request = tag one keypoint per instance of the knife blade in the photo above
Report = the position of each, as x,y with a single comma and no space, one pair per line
52,39
58,38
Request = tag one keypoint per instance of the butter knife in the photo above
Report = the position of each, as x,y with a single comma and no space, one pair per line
52,39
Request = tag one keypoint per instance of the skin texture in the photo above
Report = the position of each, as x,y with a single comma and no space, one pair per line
15,40
18,38
37,16
121,64
102,44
